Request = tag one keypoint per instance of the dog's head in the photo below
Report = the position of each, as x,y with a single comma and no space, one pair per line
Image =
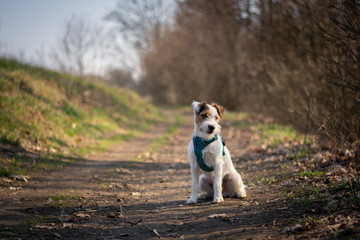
206,119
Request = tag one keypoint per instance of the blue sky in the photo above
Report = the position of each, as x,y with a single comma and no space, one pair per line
31,24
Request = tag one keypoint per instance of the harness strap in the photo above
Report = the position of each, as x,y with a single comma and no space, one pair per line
223,142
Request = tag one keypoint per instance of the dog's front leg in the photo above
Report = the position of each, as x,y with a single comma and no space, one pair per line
218,197
194,183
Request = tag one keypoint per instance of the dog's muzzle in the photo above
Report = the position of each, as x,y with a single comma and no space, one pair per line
210,129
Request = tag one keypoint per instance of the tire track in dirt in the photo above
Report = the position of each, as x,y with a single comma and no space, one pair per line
153,190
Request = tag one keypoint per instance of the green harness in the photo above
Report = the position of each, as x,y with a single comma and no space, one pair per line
199,145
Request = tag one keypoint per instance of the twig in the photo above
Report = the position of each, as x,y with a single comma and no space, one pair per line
150,229
121,209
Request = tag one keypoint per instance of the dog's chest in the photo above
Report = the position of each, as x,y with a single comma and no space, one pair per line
213,153
210,153
209,158
212,149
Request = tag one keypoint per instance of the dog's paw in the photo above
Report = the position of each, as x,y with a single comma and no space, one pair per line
191,201
218,200
241,194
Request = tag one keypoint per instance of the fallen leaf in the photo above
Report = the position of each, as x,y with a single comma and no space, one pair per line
244,203
6,180
67,225
82,215
44,227
19,177
220,215
294,228
123,171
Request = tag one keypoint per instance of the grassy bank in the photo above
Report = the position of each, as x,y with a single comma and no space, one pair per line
47,117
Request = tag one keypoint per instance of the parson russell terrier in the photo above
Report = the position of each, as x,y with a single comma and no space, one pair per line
209,156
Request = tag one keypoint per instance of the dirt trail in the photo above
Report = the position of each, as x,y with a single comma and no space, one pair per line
85,200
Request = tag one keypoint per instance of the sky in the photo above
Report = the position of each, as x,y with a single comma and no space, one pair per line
31,29
30,25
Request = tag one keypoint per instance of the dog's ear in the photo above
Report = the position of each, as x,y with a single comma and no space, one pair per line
220,109
198,106
195,106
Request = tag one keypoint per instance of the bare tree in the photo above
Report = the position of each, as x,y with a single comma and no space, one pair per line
140,20
86,48
73,46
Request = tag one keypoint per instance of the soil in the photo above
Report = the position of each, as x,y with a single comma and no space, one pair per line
130,193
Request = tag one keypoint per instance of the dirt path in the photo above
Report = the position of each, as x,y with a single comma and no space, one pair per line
90,199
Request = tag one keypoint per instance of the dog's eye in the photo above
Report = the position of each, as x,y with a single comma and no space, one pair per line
216,118
204,116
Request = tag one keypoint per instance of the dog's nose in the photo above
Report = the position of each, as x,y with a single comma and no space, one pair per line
211,128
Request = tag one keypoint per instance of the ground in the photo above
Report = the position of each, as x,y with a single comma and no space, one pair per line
131,192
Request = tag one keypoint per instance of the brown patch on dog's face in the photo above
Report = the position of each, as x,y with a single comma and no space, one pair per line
217,118
220,110
203,113
201,107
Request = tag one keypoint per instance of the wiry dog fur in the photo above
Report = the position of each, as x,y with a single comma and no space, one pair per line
224,181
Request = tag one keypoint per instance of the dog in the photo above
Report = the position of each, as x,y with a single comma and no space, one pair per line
209,156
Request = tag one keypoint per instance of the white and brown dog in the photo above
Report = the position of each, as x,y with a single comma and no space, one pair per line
209,155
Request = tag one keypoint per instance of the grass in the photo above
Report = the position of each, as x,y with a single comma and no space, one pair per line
165,138
311,173
285,166
352,191
261,179
12,168
310,220
235,116
270,134
61,201
57,201
302,202
237,119
275,134
310,192
30,222
57,114
305,151
25,225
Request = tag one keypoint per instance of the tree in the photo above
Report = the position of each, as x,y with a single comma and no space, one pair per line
296,61
73,46
139,20
86,48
